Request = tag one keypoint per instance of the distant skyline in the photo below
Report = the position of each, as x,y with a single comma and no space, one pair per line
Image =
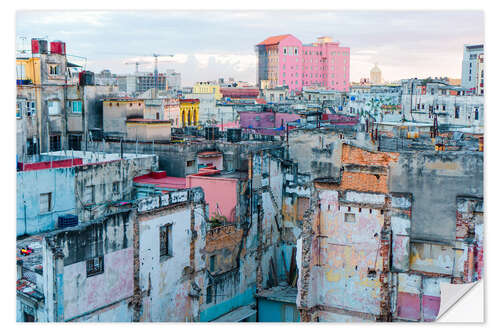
212,44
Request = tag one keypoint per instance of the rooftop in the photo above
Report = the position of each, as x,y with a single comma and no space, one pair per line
160,179
285,294
274,39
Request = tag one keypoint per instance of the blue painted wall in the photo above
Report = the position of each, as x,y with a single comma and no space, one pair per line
272,311
30,184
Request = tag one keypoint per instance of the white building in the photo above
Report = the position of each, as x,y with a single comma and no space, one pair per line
470,65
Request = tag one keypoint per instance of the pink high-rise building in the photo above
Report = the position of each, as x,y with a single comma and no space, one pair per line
284,61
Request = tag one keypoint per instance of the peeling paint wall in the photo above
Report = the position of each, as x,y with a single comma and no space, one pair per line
166,282
66,253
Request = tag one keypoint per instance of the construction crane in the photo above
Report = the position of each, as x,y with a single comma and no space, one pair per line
136,63
156,70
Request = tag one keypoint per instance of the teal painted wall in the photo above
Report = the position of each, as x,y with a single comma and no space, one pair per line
30,184
272,311
217,310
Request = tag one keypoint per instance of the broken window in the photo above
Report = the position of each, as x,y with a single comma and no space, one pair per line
116,187
166,240
28,313
349,218
55,142
212,263
95,266
89,194
302,206
74,141
45,202
54,107
209,294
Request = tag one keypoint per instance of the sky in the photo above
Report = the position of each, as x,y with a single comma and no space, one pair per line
211,44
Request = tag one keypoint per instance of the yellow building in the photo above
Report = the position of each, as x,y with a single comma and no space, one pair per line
190,109
207,88
28,69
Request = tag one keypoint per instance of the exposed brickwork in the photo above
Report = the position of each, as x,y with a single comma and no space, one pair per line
355,155
364,182
384,253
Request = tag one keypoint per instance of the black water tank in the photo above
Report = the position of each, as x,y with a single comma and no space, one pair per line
234,134
66,221
43,46
211,133
86,78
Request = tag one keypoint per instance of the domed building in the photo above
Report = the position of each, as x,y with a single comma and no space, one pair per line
376,75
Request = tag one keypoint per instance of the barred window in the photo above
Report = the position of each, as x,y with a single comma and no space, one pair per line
95,266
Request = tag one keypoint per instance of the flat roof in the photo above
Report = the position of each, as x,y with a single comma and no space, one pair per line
285,294
160,179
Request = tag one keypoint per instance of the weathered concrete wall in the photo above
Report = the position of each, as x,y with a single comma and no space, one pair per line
65,255
318,152
173,157
349,252
166,282
84,294
109,182
435,179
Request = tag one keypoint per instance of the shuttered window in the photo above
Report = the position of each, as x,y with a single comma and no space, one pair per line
45,202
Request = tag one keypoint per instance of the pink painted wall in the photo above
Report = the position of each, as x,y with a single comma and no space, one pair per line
320,64
221,192
408,306
83,294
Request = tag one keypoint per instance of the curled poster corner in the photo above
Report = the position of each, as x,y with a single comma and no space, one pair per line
461,302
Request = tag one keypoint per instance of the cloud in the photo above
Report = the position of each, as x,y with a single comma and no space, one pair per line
204,42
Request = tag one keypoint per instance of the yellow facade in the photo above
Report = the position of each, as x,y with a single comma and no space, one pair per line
207,88
189,112
31,69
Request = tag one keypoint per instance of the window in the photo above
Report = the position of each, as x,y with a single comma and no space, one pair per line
444,107
75,106
295,51
54,107
190,163
54,69
457,112
209,294
349,218
30,108
31,146
20,72
476,114
55,142
74,142
19,109
212,263
284,50
89,194
45,202
116,187
166,241
95,266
